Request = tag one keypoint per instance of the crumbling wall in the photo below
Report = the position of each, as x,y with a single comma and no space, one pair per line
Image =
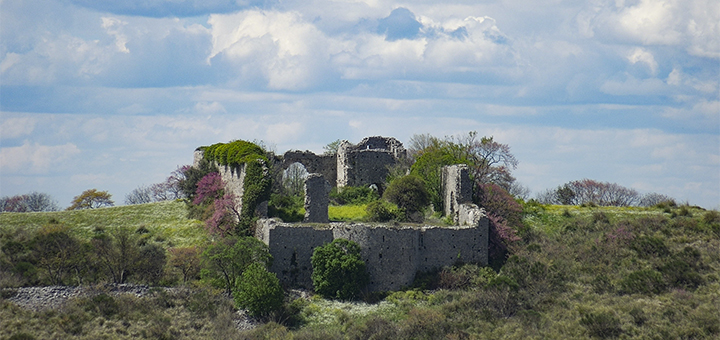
367,162
316,199
393,255
233,177
325,165
291,247
456,189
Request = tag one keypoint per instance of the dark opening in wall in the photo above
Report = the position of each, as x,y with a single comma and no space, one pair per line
380,255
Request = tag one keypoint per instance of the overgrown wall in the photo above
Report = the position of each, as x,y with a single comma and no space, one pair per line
393,254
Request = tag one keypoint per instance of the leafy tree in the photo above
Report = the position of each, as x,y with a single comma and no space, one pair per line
383,211
224,216
408,193
57,252
187,260
488,160
353,195
258,291
209,188
187,182
225,260
117,251
91,199
505,219
332,147
338,270
150,264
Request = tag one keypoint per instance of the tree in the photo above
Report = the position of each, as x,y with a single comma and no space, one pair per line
140,195
34,201
117,251
225,260
293,179
258,291
505,218
488,160
91,199
332,147
409,194
187,260
587,191
338,270
57,252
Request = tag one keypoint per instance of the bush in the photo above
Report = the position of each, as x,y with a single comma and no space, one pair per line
408,193
353,195
646,281
258,291
601,324
383,211
650,247
338,270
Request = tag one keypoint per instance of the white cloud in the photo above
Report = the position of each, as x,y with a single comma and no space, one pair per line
32,158
16,127
113,27
281,48
640,55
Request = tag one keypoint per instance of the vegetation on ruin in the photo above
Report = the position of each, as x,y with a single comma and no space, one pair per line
576,272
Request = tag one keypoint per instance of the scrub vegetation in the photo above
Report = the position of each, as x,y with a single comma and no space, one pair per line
577,262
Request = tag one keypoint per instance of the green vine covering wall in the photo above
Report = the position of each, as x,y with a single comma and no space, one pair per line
258,182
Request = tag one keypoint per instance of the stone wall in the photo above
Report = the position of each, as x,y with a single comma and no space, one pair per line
325,165
456,189
316,199
367,162
233,177
393,254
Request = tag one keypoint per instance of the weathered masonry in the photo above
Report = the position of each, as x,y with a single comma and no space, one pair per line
393,255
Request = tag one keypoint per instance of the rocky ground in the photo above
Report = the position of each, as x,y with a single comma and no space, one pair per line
54,297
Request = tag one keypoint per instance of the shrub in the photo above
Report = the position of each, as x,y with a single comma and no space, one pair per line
383,211
338,270
408,193
258,291
353,195
601,324
650,246
645,281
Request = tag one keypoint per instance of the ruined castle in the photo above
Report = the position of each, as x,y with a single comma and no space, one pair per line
393,253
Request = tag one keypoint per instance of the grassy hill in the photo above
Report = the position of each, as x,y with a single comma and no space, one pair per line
578,272
166,220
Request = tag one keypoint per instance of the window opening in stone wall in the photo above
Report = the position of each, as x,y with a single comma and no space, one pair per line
293,179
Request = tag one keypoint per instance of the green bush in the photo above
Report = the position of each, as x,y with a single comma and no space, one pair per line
650,246
408,193
259,291
338,270
383,211
645,281
353,195
601,324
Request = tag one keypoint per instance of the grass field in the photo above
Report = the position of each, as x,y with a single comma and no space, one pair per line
166,220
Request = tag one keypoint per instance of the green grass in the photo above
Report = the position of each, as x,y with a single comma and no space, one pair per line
347,212
167,221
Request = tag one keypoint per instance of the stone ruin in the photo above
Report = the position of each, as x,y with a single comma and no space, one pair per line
393,253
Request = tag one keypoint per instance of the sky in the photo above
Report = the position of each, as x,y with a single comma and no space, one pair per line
114,95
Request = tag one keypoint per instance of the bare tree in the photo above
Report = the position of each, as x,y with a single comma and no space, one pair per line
294,179
653,198
587,191
34,201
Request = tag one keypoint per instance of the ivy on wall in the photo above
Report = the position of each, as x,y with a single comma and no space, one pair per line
258,182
